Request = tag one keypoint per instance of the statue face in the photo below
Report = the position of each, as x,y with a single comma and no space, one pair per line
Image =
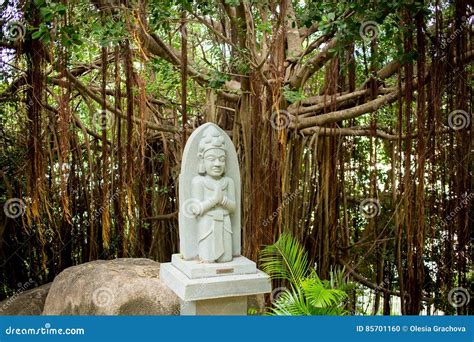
214,162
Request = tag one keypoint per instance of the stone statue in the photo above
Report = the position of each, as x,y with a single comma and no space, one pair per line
208,274
209,216
215,199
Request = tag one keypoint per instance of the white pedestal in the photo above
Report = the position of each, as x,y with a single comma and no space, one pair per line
214,289
230,306
195,269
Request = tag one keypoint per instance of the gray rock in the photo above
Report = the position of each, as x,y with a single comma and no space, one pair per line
113,287
25,303
130,286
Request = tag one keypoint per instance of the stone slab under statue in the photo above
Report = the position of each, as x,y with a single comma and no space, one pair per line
210,268
195,269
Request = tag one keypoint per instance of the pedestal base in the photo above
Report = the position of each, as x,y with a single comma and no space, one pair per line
215,295
195,269
230,306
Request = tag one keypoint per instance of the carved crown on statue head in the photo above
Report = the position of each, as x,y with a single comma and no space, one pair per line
211,139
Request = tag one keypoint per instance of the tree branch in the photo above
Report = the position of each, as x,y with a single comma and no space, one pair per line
350,113
82,88
362,280
313,64
360,131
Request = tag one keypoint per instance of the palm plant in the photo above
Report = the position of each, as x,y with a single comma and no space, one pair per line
287,260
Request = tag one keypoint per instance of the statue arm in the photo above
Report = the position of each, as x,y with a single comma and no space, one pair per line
228,202
197,192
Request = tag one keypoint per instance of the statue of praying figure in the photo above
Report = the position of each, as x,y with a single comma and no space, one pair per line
214,198
209,265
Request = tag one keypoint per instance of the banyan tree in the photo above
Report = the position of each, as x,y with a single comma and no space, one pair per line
352,122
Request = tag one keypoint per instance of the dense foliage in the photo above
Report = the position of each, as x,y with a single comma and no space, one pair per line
352,121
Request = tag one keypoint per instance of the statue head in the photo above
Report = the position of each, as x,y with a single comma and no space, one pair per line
212,153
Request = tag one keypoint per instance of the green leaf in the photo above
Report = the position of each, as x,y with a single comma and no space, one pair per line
309,295
36,34
232,3
46,38
61,9
291,304
293,96
285,259
46,13
320,295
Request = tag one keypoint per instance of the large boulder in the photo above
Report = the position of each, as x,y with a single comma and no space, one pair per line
25,303
113,287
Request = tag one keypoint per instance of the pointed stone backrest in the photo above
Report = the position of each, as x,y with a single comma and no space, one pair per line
188,228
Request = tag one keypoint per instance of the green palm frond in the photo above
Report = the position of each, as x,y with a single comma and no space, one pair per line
320,295
285,259
291,303
336,277
297,303
339,279
309,295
